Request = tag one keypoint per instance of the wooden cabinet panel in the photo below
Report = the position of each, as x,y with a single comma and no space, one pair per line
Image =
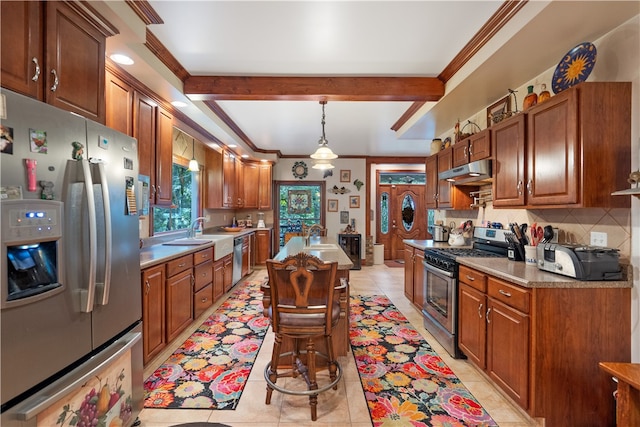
265,186
203,256
52,52
213,176
508,337
203,275
179,303
228,180
218,279
445,162
144,130
408,272
202,300
75,58
263,246
480,146
119,100
239,184
251,178
472,329
153,311
514,296
431,176
22,53
178,265
418,278
246,256
473,278
509,162
227,272
164,157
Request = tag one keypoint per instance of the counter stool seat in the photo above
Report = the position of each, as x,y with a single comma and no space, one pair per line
303,307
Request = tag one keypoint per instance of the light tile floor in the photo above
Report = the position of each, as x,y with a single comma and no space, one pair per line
341,408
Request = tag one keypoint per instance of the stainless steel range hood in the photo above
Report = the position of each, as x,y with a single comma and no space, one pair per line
478,173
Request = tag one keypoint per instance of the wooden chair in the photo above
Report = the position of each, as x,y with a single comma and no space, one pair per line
303,307
317,231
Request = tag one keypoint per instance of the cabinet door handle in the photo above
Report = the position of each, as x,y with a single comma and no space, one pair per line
486,316
470,278
204,299
530,187
464,152
55,81
36,75
480,311
519,187
148,287
470,149
505,293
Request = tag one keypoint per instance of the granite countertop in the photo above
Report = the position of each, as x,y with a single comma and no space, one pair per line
527,276
296,245
158,253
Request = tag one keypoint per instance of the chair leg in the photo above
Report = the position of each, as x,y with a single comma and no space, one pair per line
331,362
273,370
313,384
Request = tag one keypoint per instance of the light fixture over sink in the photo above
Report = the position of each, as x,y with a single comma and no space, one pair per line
323,154
193,163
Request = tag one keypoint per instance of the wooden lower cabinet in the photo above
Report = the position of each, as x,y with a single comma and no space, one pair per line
153,311
414,275
203,281
227,278
408,272
179,303
263,246
542,346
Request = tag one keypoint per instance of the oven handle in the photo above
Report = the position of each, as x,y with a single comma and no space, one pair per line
433,269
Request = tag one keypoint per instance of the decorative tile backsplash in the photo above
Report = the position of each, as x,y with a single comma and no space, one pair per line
575,225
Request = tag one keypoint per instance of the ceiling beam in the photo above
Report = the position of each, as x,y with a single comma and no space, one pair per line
202,88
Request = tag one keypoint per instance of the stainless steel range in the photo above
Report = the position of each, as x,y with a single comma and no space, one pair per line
440,307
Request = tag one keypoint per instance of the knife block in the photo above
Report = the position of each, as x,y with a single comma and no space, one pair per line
515,252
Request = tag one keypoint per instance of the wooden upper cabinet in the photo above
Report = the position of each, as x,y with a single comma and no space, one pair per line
251,179
51,52
119,101
265,186
509,161
213,179
445,162
164,157
431,175
228,180
22,57
475,147
239,182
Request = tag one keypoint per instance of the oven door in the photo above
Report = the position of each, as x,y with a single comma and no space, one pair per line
440,296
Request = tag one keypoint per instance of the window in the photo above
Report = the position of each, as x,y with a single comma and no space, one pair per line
184,202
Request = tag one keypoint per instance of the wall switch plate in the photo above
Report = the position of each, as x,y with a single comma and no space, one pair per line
598,239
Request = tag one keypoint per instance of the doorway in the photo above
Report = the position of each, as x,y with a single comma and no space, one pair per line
400,210
297,203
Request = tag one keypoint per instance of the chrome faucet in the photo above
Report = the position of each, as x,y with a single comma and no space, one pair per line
307,238
192,228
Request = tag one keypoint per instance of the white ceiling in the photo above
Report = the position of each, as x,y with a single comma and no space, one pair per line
347,38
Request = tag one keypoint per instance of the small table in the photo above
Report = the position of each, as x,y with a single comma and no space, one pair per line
628,398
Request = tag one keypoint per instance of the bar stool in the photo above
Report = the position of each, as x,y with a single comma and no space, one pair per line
303,307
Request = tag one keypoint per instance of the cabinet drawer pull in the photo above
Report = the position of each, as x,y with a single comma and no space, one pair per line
486,316
36,75
204,299
55,81
182,264
505,293
470,278
204,274
480,311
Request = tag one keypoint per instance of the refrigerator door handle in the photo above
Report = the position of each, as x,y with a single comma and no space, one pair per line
76,381
106,285
87,296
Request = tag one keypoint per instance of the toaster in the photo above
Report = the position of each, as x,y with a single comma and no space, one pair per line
581,262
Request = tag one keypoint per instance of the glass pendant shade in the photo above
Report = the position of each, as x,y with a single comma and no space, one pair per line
322,165
193,163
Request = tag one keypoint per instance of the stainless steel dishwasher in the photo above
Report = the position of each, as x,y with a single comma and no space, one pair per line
237,260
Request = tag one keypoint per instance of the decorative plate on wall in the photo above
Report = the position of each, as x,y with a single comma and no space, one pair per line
300,170
574,67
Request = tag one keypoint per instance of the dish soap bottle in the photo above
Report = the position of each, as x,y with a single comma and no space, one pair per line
531,99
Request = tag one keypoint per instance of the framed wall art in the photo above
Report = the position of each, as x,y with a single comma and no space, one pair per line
344,217
332,205
299,201
499,111
345,175
354,201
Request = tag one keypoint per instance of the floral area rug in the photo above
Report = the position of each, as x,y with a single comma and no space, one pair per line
211,368
405,382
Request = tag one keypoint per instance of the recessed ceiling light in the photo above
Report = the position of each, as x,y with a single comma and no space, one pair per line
179,104
121,59
245,156
232,145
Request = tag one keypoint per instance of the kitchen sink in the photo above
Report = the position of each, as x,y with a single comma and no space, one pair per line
187,242
321,246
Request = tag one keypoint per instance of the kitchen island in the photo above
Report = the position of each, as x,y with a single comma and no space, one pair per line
327,250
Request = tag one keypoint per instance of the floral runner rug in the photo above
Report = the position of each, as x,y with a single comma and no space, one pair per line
211,368
405,382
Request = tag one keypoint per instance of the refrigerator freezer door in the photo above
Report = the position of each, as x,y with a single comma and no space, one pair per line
114,164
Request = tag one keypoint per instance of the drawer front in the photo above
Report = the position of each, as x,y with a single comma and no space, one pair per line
179,264
203,274
512,295
473,278
202,300
203,256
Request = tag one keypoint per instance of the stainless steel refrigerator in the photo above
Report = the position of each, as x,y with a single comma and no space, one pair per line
70,309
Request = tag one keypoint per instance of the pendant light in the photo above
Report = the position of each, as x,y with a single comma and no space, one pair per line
323,154
193,163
